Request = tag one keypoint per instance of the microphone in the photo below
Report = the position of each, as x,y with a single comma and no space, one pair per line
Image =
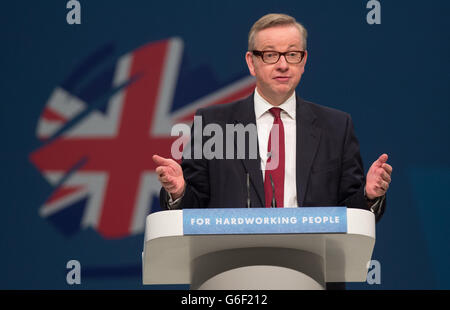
248,191
274,202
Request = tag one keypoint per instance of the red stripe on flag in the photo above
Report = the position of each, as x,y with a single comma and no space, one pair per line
50,115
62,192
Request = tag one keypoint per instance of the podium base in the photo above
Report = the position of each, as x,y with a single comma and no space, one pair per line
261,278
259,269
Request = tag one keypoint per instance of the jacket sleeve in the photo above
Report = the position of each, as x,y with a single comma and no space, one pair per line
353,181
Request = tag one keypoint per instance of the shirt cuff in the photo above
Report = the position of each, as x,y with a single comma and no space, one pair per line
174,204
376,204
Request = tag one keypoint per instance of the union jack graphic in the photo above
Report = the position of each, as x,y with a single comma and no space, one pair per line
99,132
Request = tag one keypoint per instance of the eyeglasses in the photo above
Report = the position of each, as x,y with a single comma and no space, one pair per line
272,57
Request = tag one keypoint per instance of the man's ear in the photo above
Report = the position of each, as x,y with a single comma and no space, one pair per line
305,58
249,60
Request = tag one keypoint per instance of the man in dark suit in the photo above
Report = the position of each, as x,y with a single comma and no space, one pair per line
307,154
316,150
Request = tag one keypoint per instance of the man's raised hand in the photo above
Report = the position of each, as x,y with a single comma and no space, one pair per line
170,175
378,178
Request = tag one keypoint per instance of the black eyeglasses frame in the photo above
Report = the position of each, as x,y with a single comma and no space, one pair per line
261,54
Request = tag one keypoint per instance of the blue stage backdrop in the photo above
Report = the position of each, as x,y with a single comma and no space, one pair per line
84,106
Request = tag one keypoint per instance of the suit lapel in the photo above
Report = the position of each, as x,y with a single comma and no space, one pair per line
245,115
308,137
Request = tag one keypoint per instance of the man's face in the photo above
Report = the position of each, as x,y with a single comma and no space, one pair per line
276,82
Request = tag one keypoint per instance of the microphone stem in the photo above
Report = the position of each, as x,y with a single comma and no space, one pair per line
274,202
248,190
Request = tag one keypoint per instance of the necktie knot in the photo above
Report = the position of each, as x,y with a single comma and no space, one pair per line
275,112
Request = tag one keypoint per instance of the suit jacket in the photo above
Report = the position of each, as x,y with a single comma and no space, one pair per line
329,166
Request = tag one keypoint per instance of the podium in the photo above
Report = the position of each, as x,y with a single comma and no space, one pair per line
271,257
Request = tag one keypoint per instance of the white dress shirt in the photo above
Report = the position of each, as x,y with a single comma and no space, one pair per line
264,123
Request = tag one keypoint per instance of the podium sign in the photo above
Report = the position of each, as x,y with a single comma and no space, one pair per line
265,220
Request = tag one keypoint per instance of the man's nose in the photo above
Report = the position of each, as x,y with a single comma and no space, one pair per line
282,64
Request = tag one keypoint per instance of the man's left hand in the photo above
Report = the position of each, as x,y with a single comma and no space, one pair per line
378,178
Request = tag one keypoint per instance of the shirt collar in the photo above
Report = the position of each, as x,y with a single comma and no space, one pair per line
262,106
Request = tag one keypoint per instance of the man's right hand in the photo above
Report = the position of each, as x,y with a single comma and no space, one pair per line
170,175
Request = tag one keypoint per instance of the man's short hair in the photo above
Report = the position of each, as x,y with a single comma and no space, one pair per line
273,20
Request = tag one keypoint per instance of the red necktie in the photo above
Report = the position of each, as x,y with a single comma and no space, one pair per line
276,155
